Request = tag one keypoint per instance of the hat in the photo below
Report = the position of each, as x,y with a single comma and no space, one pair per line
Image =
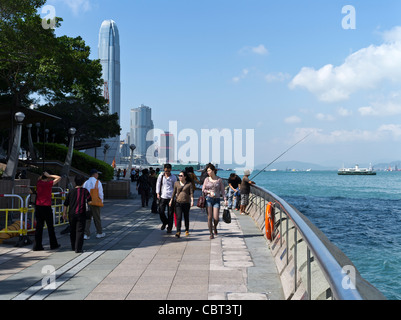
247,172
93,171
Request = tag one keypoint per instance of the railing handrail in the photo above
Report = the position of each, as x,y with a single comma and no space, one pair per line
331,269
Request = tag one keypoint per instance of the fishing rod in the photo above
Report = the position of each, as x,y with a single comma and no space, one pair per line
282,155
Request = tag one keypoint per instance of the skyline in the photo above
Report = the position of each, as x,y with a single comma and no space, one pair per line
283,69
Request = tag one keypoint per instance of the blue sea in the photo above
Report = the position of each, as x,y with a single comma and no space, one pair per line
359,214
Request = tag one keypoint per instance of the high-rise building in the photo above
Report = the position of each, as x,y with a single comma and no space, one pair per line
166,152
109,55
141,124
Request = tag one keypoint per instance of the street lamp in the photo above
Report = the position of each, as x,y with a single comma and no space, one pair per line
12,162
128,172
68,159
32,154
105,149
37,131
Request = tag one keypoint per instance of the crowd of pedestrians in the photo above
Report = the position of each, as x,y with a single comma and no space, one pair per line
172,198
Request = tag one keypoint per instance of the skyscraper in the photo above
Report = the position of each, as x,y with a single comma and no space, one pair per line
141,124
109,55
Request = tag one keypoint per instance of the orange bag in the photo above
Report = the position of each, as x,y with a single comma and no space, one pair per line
96,201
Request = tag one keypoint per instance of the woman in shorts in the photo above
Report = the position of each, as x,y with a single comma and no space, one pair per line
213,189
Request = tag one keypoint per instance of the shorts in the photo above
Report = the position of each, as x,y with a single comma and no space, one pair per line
213,202
244,199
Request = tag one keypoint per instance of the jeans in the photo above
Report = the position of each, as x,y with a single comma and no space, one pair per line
182,208
231,195
212,202
162,208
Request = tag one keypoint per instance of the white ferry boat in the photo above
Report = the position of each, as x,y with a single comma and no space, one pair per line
357,171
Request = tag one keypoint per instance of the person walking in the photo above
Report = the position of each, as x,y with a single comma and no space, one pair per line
143,187
94,211
43,210
184,194
75,204
233,187
245,190
153,182
165,188
213,189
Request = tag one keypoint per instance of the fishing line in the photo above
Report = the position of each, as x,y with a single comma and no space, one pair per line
281,155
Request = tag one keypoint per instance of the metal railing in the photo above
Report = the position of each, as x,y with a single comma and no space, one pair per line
309,265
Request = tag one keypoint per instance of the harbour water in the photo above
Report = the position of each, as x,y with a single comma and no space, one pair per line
359,214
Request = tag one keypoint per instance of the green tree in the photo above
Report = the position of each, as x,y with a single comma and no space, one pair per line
58,69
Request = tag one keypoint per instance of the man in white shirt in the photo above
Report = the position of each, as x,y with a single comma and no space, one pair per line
164,189
94,210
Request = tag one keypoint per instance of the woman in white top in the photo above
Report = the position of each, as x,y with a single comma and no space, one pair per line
213,189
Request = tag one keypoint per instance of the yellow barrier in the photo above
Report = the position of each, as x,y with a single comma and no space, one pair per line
27,224
16,228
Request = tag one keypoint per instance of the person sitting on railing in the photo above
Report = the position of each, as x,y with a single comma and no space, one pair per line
245,190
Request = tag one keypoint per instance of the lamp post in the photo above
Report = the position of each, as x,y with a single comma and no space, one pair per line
32,153
128,173
37,131
68,159
12,162
105,149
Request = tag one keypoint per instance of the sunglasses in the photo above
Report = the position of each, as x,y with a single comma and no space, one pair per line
180,175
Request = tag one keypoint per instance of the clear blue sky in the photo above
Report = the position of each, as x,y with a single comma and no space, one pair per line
283,68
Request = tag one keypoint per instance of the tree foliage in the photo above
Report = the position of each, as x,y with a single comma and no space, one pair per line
35,62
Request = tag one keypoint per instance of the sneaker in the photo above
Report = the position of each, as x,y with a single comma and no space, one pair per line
177,235
100,235
86,237
163,226
186,233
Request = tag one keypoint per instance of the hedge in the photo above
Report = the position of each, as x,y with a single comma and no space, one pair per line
80,160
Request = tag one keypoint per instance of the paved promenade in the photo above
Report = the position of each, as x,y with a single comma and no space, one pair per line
138,261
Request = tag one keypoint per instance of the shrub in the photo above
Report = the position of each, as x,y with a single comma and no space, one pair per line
80,160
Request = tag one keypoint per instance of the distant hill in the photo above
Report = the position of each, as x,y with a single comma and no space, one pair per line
385,166
297,165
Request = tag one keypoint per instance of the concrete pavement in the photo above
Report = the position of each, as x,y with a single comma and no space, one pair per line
138,261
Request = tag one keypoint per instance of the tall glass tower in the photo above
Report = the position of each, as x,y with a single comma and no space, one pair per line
141,124
109,55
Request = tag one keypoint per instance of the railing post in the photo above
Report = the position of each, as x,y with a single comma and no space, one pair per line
281,227
287,239
295,260
309,275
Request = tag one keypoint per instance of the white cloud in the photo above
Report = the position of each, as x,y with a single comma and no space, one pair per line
364,69
292,120
260,50
383,133
243,74
277,77
344,112
77,6
324,117
388,108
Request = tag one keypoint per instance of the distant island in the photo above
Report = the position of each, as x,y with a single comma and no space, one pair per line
303,166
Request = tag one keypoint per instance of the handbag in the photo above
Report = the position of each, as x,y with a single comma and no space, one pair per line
201,202
226,215
96,201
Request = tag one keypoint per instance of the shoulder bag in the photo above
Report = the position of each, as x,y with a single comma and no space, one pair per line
96,201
